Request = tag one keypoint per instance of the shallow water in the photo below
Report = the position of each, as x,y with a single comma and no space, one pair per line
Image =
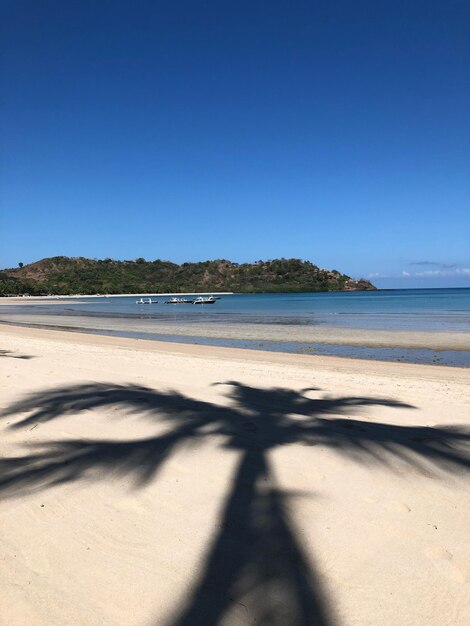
456,358
410,309
430,310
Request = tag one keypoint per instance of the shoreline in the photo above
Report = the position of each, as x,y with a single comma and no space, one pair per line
355,337
58,299
426,339
370,366
416,330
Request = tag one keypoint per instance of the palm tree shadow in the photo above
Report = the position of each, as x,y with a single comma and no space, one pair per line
12,355
256,570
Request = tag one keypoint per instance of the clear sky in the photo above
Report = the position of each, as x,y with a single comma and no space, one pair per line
334,131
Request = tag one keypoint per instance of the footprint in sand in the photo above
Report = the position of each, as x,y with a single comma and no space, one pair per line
442,559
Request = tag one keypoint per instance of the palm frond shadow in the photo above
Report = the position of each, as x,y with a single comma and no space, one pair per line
255,570
13,355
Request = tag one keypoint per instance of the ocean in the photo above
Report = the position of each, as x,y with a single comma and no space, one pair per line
297,318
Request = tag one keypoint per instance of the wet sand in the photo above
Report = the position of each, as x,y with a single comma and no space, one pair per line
259,332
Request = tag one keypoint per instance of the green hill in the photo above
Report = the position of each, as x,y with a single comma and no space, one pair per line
64,276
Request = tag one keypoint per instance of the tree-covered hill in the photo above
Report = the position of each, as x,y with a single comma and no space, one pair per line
63,275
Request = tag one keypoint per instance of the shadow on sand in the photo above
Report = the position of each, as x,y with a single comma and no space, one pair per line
12,355
255,570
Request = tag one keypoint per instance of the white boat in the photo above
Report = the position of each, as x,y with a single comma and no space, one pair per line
205,300
198,300
179,301
146,301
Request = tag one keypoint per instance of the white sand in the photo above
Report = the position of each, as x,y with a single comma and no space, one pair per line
361,518
35,300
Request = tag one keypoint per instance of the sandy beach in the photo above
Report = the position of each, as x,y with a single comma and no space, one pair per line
148,483
48,300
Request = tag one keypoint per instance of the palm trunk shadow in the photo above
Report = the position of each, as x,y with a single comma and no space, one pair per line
255,570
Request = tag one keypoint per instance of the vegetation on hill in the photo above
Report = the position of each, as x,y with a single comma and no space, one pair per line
63,276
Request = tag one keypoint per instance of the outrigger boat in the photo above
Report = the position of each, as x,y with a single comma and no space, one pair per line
198,300
179,301
146,301
208,300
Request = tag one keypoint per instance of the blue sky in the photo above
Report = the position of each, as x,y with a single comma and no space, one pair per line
332,131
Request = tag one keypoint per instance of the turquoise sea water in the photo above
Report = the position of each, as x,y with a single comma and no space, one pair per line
432,310
411,309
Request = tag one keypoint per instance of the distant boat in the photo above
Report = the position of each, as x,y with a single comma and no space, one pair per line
146,301
179,301
208,300
198,300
